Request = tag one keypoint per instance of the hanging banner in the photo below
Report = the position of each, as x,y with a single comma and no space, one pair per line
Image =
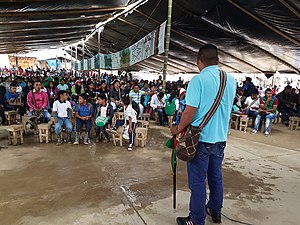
152,44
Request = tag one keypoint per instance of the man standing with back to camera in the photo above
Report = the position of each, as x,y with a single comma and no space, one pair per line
200,96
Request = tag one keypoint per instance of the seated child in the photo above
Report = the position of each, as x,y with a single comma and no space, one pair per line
84,112
62,112
130,121
12,100
104,110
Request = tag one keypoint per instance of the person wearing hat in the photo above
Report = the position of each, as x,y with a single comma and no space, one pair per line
62,85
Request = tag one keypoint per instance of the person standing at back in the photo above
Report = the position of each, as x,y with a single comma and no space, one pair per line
200,96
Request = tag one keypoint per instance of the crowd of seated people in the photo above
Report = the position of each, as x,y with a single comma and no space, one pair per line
266,106
87,97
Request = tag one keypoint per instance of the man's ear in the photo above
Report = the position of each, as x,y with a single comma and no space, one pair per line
198,64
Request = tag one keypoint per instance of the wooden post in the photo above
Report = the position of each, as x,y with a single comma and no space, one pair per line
167,45
76,56
99,50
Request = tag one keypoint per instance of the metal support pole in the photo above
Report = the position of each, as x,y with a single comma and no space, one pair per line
167,45
82,49
71,53
56,64
99,50
76,56
16,58
65,58
82,54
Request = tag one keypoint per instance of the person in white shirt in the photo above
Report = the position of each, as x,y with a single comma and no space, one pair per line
130,120
62,112
157,104
252,104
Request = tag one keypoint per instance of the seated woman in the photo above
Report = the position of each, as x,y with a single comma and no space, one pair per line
104,111
76,90
52,91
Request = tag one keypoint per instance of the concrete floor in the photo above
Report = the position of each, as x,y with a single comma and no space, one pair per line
88,185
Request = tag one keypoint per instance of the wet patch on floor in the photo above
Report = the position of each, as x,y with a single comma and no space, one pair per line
241,187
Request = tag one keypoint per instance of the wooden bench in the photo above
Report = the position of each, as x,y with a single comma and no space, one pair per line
294,123
234,121
11,117
140,137
32,120
118,137
117,116
143,124
244,123
44,132
146,117
15,134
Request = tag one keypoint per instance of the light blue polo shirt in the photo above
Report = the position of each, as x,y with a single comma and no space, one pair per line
201,93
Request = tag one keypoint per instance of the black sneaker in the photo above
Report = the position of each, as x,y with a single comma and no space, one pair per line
185,221
215,218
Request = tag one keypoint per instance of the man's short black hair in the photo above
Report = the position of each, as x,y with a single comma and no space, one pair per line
37,81
268,90
288,87
84,96
126,100
255,92
115,81
161,95
208,55
102,96
60,93
14,84
249,79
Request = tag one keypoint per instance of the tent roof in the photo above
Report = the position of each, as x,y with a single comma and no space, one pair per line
253,36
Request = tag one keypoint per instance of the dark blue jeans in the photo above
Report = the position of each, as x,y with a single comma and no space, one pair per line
80,123
161,115
60,123
207,163
251,113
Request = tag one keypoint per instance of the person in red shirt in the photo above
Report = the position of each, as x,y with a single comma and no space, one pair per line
37,102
